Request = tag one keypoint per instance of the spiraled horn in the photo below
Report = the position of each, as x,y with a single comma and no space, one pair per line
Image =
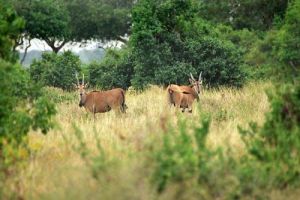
82,79
77,78
200,76
192,76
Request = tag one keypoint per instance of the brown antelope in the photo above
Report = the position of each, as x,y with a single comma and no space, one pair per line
184,96
101,101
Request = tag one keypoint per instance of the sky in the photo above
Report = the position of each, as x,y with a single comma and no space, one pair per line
40,45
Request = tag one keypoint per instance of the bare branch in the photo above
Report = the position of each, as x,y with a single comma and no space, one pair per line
26,49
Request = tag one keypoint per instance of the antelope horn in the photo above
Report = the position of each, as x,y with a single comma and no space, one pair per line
77,78
82,79
192,76
200,76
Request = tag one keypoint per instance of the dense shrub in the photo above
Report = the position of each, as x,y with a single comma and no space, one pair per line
288,40
57,70
115,70
277,53
219,61
168,45
276,145
181,154
11,25
18,93
22,107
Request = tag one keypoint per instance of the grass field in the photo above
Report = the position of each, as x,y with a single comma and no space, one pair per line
60,167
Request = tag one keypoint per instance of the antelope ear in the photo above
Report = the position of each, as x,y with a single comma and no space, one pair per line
191,80
86,85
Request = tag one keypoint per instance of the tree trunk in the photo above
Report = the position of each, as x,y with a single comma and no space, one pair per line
25,52
51,44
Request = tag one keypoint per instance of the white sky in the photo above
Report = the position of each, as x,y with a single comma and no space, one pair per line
40,45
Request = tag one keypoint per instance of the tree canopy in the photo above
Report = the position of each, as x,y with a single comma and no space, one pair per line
251,14
60,21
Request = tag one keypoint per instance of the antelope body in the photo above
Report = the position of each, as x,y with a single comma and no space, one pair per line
104,101
184,96
101,101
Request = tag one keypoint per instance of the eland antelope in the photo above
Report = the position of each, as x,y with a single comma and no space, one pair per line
184,96
101,101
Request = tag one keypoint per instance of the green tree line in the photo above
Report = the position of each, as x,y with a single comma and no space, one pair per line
170,39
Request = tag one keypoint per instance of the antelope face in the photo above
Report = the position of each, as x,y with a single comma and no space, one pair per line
81,89
82,94
196,84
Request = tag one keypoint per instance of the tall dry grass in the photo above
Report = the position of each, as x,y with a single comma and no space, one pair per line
57,171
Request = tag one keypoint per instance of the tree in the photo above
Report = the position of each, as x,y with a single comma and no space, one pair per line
170,41
22,107
104,19
47,20
58,22
115,70
288,40
11,26
251,14
56,70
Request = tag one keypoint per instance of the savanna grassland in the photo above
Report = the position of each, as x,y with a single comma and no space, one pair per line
63,166
242,140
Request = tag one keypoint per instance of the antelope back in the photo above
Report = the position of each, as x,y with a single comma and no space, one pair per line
175,94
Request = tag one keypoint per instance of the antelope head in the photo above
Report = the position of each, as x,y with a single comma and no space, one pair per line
196,84
81,89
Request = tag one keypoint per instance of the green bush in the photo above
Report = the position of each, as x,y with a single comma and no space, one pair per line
288,39
277,53
219,61
11,26
17,94
57,70
168,45
181,154
115,70
22,106
276,145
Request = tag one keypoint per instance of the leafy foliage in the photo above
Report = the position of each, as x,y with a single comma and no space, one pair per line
288,39
115,70
47,20
181,154
277,52
250,14
56,70
168,45
20,99
104,19
276,144
60,21
21,105
11,26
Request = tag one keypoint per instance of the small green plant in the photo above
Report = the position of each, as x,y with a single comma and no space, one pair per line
181,154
